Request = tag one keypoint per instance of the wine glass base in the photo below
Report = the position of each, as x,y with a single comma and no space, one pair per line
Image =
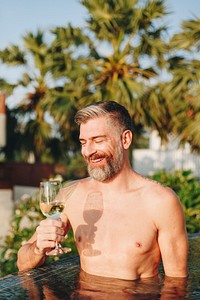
58,251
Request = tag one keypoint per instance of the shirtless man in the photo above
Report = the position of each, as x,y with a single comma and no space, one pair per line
123,223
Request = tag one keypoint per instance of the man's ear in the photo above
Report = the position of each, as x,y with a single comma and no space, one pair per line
126,139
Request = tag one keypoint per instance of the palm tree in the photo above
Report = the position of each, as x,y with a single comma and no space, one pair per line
11,123
125,35
119,54
71,89
35,129
185,86
119,38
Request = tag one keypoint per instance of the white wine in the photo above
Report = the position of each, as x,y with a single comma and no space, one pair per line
52,205
52,210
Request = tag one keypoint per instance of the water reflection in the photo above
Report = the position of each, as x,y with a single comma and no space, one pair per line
100,288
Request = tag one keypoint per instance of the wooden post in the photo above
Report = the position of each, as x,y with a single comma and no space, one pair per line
2,119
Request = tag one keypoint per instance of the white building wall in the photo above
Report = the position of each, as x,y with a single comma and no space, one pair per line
6,212
2,130
169,157
2,119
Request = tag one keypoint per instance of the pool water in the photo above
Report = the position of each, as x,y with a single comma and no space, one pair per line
95,287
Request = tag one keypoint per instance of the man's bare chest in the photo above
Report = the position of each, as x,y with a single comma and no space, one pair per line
106,223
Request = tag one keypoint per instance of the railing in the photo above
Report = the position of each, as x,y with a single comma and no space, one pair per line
148,161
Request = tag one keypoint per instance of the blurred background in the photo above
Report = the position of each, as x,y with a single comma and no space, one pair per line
56,57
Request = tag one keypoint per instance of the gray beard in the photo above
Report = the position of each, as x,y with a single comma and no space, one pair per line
113,167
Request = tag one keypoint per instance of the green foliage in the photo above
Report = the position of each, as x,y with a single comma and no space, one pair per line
26,218
187,187
72,170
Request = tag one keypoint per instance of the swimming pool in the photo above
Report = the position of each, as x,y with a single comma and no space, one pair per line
64,280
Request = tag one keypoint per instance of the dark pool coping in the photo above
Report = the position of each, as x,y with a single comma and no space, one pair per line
61,277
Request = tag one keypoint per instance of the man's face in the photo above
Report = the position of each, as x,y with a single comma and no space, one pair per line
101,148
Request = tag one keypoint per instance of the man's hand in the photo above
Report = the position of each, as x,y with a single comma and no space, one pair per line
48,233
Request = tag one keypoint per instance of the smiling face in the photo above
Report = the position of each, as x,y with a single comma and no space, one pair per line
101,148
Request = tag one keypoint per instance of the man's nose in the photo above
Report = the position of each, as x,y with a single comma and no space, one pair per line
88,149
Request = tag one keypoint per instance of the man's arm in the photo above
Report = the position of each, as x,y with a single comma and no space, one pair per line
29,256
174,286
172,236
32,254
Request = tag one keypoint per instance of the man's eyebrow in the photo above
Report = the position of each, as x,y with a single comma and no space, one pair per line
93,137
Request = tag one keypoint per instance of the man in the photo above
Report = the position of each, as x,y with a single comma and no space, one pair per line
123,223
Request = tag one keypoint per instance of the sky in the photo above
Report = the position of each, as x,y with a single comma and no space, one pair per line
18,17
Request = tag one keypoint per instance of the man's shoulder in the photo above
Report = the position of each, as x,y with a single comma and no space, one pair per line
76,185
162,202
159,191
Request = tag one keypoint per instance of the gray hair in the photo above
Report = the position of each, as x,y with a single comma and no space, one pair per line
117,113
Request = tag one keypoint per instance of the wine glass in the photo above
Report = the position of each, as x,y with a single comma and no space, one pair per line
51,205
93,211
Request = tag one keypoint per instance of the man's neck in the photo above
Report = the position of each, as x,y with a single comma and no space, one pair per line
121,181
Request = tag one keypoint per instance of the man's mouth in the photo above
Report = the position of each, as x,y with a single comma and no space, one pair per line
96,159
